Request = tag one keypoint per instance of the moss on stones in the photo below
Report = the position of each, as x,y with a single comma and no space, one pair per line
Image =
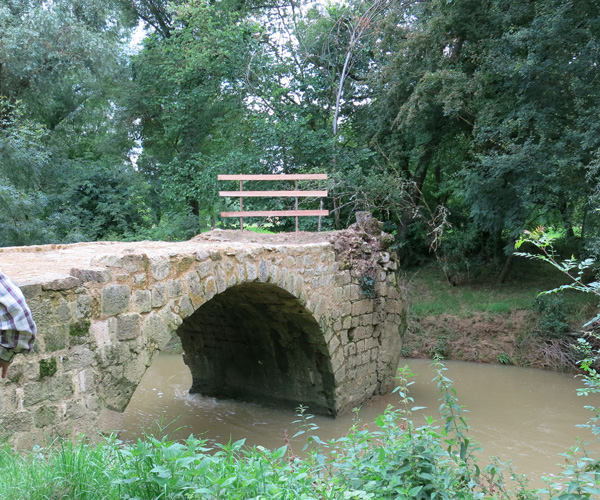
48,367
79,329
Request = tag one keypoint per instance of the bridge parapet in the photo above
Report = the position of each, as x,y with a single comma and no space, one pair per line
282,322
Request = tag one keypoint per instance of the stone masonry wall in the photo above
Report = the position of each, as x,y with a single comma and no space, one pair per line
101,326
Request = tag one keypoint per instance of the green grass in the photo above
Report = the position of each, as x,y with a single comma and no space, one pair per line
431,295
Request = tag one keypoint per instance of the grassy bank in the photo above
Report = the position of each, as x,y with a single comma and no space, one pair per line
396,460
483,321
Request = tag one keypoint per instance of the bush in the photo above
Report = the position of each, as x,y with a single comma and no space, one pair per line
553,318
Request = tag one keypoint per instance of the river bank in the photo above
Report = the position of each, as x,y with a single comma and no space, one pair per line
486,322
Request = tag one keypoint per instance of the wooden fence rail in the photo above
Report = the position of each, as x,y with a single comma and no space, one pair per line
296,193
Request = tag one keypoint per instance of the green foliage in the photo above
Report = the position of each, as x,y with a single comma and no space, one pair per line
573,268
47,367
582,470
504,359
553,315
457,123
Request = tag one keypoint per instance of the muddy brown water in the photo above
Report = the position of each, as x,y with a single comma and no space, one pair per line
528,416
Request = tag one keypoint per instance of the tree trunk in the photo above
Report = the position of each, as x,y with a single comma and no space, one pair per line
505,269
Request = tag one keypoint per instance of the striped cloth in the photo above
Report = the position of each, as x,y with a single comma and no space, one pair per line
17,328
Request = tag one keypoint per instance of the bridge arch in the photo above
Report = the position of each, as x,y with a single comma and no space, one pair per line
256,342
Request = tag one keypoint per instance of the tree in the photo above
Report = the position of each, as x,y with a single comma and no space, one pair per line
484,107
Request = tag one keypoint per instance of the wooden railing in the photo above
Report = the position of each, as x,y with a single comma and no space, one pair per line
296,193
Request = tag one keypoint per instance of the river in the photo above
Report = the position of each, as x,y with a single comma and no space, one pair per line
525,415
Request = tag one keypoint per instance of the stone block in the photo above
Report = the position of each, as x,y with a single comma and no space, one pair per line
274,274
31,291
362,332
18,422
159,295
365,357
186,307
79,332
334,343
55,338
381,289
251,271
135,370
350,350
205,269
54,389
83,306
156,330
342,279
233,279
343,335
220,280
62,311
160,268
78,358
175,287
367,320
340,375
371,343
133,263
210,288
202,255
100,332
62,283
115,299
193,283
361,307
143,300
128,326
337,360
346,322
263,271
91,275
45,416
185,263
396,307
76,411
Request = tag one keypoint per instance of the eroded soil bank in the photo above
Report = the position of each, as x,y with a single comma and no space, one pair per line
481,321
506,339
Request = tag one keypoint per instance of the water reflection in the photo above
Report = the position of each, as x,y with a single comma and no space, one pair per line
522,414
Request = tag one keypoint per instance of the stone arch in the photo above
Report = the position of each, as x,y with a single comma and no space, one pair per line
257,342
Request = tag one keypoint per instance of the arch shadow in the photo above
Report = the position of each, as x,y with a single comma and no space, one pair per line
256,342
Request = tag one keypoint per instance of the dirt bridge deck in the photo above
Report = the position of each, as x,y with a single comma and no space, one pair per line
45,263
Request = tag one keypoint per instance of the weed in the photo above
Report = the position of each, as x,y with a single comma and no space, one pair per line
553,315
504,359
367,285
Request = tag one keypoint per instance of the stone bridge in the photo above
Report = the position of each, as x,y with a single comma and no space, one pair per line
284,319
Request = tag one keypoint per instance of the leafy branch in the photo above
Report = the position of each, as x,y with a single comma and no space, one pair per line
573,268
